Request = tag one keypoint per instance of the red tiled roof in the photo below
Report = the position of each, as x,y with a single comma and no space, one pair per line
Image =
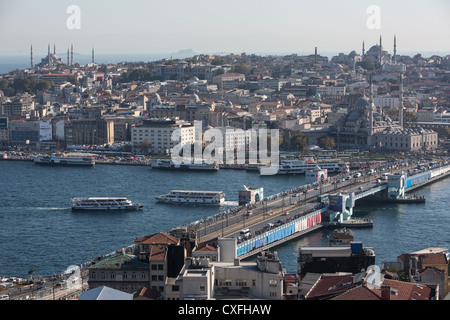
405,290
157,253
158,238
438,258
358,293
207,248
330,285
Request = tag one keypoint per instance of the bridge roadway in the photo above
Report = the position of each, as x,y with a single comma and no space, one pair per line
273,210
290,207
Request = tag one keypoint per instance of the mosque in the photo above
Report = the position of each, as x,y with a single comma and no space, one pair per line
366,127
52,60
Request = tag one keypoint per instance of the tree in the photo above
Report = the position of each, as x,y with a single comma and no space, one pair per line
73,80
409,117
367,64
241,68
299,141
136,75
218,61
326,142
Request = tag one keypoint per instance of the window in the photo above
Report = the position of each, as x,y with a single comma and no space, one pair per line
225,282
241,283
273,283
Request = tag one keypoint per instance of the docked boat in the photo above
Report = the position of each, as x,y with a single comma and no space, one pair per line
65,159
341,237
303,166
193,197
170,165
105,204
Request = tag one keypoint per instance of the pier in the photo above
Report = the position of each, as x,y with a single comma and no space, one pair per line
296,212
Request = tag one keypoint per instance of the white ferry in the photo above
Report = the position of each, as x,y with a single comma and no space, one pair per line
65,159
104,204
193,197
170,165
303,166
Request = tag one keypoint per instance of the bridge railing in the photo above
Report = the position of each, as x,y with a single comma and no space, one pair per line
371,191
278,233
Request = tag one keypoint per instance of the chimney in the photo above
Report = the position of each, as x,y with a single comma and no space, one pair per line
385,292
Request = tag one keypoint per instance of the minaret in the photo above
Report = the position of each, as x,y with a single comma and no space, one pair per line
400,103
315,55
49,49
93,56
54,49
395,49
68,60
71,55
32,56
363,50
381,48
371,105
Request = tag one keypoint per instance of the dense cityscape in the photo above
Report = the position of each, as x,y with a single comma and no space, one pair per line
365,106
219,183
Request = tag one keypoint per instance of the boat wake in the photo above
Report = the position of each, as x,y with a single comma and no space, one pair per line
39,208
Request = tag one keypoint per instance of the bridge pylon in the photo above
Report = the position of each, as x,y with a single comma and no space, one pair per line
396,185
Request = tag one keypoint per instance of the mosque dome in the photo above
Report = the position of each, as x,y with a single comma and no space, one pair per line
361,104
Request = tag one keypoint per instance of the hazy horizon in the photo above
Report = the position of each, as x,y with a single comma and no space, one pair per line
150,27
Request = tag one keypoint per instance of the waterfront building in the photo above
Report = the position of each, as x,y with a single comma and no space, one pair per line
89,132
154,135
120,271
406,140
202,279
4,131
24,132
349,258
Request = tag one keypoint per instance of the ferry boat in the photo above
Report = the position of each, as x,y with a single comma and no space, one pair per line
303,166
65,159
170,165
193,197
105,204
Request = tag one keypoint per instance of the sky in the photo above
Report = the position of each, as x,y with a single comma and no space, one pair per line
214,27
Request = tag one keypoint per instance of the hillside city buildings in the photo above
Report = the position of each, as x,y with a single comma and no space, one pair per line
398,103
376,101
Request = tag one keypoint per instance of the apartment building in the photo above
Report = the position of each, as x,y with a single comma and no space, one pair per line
155,136
230,278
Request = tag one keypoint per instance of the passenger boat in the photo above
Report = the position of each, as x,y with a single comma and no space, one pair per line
105,204
303,166
170,165
65,159
193,197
